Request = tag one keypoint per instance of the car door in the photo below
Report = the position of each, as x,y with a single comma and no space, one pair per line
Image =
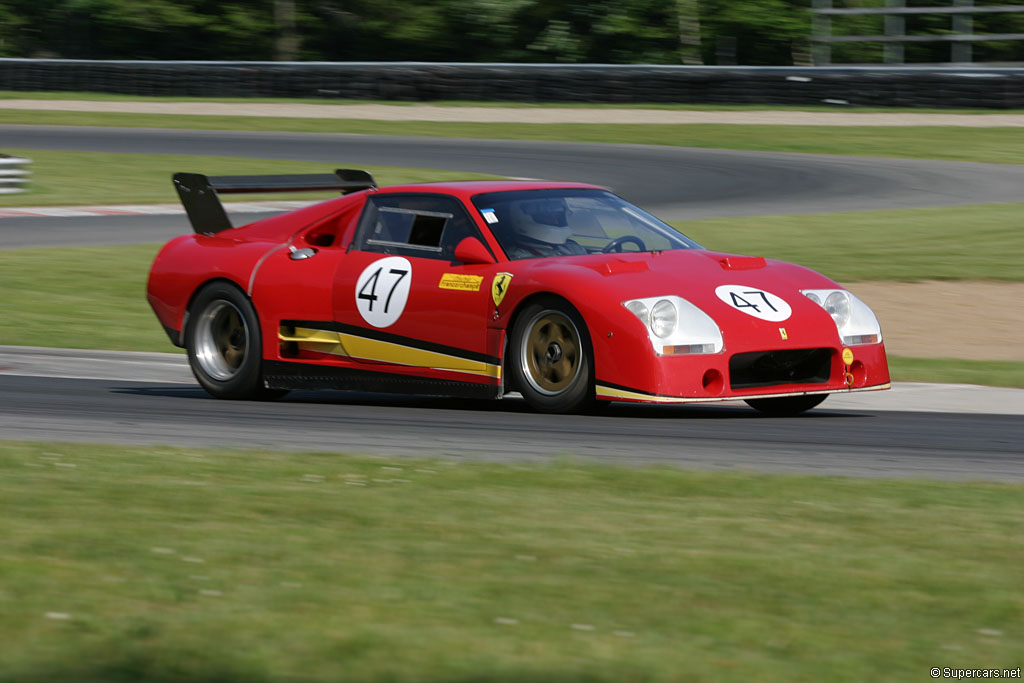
400,297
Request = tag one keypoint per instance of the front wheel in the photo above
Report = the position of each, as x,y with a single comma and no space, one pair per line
785,406
225,351
550,358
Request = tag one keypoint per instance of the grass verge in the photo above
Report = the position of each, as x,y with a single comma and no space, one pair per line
976,242
201,565
957,371
998,145
845,109
70,178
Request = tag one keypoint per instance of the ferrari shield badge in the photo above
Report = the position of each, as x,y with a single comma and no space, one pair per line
499,287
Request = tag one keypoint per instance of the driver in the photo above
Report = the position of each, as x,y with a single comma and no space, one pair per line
540,227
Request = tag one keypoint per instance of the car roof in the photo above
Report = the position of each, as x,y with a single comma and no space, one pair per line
464,189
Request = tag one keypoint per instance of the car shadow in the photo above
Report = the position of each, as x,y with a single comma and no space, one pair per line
510,404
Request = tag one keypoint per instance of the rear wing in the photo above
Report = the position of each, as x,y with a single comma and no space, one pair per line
200,194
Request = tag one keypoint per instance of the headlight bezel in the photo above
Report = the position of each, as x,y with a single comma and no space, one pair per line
854,320
693,331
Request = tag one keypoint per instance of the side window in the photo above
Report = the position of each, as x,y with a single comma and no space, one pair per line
424,225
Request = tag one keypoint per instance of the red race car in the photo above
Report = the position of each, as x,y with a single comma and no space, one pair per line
563,292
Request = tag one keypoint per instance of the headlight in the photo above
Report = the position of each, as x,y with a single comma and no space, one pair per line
675,326
664,318
838,306
854,320
640,310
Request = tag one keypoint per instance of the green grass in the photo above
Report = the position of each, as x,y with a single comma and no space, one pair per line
976,242
71,178
82,297
957,371
113,97
999,145
214,565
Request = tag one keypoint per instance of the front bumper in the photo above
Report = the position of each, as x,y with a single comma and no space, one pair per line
769,373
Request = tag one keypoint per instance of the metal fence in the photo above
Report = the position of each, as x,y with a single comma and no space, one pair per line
961,36
417,81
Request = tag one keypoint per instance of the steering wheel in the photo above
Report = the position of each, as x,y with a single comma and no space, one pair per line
616,244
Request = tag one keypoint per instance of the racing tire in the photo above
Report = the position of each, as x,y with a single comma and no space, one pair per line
225,349
785,406
551,359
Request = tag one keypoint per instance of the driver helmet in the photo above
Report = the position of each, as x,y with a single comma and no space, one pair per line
542,220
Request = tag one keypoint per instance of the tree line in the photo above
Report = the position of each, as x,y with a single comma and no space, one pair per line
750,32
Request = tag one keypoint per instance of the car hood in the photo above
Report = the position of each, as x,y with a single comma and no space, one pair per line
694,274
683,272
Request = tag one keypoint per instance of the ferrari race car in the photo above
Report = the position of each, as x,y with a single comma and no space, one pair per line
563,292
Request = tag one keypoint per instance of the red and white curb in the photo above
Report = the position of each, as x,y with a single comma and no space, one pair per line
142,209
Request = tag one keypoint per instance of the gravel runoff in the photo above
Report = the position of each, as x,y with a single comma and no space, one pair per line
173,368
426,112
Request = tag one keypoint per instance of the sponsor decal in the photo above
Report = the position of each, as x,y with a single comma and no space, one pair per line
465,283
755,302
499,287
848,356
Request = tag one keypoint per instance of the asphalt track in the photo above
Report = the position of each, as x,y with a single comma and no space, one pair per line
676,183
858,443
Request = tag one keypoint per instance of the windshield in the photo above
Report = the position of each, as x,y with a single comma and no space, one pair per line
564,222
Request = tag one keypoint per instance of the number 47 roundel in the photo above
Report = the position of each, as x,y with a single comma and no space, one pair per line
382,290
755,302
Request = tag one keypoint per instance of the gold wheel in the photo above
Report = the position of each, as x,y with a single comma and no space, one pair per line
551,356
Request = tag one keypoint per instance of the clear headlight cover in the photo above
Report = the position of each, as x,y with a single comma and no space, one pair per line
640,310
838,306
663,318
854,320
675,326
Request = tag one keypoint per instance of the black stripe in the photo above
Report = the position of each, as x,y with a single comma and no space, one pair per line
378,335
291,375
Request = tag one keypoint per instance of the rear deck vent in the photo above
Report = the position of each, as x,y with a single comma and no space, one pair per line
769,368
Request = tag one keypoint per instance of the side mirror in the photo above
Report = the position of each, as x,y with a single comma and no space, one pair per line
471,251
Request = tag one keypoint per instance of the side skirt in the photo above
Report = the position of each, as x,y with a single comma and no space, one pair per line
286,375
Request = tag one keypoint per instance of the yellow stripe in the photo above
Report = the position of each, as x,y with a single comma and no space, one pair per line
361,348
609,392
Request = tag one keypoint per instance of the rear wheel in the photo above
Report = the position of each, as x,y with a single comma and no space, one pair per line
787,405
224,345
550,358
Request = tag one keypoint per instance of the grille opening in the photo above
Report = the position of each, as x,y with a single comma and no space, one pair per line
768,368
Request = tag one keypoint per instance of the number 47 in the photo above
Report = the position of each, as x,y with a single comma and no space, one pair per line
740,302
371,283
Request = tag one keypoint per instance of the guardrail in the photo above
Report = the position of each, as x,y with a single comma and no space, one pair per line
975,87
14,174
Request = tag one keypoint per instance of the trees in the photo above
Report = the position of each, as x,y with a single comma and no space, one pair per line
757,32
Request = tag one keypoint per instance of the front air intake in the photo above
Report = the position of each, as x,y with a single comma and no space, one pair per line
770,368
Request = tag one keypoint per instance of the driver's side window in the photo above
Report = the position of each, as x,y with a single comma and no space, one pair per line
422,225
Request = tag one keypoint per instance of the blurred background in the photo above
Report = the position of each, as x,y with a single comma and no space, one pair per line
710,32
